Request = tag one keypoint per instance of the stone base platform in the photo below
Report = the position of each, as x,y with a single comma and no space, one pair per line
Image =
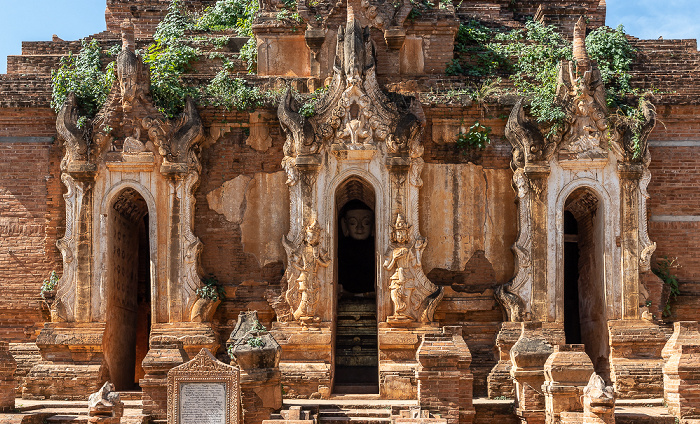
379,411
63,412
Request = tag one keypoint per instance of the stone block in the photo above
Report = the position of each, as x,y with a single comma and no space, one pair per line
566,372
682,381
635,358
528,356
8,366
445,383
164,354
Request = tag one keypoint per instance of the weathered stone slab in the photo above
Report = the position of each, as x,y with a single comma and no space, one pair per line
204,391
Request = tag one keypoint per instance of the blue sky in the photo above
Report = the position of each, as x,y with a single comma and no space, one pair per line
35,20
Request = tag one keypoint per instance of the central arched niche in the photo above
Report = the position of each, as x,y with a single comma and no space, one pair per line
356,276
128,288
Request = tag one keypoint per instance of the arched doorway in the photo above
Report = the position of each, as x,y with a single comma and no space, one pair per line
584,276
128,288
356,355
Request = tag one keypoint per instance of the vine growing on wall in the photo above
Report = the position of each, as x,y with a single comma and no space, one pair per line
237,15
476,137
476,57
535,54
663,270
83,75
169,57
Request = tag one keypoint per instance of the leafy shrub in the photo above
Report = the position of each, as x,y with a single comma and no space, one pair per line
83,75
50,283
477,137
168,58
663,271
210,289
536,53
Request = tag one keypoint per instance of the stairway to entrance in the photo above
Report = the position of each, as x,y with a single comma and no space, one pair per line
347,409
356,356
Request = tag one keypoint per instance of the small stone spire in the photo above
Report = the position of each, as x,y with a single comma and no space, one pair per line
128,36
351,15
580,53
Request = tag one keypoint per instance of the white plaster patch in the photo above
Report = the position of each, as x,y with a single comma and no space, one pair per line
266,217
228,199
453,214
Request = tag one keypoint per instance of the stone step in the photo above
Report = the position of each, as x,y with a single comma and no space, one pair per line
643,415
349,319
352,412
130,395
356,361
353,420
350,332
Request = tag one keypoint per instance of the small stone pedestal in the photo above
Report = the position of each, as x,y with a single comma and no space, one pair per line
445,383
528,356
194,336
598,402
397,358
566,373
163,355
257,354
72,365
8,366
682,381
305,361
684,332
500,382
635,358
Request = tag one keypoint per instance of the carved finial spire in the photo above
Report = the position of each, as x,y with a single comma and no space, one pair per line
580,53
351,15
128,36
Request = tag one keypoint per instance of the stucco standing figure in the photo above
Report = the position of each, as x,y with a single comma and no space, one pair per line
306,261
399,297
405,255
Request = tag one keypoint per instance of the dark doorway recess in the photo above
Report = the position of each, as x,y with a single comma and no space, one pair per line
584,277
128,289
356,355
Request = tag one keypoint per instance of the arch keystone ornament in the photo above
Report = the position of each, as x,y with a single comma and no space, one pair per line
607,159
130,152
357,134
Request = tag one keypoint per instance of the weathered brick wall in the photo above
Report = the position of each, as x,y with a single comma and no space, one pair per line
506,13
144,14
32,209
29,223
674,210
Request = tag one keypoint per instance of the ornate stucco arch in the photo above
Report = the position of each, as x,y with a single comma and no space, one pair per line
355,132
610,216
100,241
612,160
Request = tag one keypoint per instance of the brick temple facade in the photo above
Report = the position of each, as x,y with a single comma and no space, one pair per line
381,258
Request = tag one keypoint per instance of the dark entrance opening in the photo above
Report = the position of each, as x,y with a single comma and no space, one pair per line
584,277
356,355
128,289
572,320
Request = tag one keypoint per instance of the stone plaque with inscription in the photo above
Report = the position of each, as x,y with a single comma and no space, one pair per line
204,391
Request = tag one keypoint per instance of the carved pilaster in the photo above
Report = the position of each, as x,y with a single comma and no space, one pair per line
630,174
538,207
